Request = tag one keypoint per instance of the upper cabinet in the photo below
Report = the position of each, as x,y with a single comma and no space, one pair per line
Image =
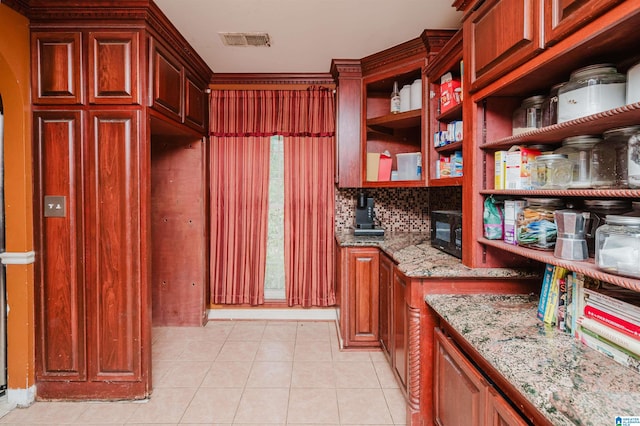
57,70
561,17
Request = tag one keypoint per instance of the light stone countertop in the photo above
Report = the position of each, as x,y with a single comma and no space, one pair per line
569,383
416,258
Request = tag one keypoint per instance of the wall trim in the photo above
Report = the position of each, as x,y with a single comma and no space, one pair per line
21,397
324,314
18,258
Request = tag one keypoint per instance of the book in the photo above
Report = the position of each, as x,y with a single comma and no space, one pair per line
554,295
561,309
621,339
614,301
569,320
612,320
544,290
613,351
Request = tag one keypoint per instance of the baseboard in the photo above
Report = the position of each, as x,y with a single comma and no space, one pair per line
21,397
321,314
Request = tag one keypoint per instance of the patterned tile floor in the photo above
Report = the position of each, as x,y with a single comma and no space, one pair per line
246,372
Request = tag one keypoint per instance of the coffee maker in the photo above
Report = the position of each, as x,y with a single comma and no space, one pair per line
570,243
365,217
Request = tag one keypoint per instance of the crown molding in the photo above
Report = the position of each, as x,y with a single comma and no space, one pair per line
346,68
271,79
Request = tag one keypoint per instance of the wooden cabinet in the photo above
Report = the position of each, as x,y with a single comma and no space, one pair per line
400,334
57,70
358,282
195,103
386,303
561,17
502,34
462,395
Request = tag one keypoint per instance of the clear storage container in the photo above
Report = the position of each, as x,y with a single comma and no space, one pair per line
591,90
578,150
550,106
603,166
535,227
595,212
528,116
551,171
624,142
618,245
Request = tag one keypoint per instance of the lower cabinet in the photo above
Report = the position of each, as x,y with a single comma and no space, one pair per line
462,395
400,332
385,281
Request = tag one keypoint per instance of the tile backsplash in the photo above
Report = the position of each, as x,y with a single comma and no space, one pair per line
397,209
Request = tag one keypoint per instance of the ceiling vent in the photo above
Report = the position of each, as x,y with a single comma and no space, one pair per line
245,39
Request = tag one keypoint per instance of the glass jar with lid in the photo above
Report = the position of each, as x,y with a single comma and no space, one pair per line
590,90
603,166
528,116
595,212
624,143
551,171
578,150
618,245
535,226
550,106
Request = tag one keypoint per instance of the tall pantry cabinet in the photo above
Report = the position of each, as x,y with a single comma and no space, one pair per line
94,116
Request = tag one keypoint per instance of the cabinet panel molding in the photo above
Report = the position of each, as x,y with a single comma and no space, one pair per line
167,83
561,17
194,105
57,71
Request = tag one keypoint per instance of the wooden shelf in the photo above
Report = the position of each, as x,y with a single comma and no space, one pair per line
597,193
595,124
393,184
451,181
454,113
587,268
449,148
401,120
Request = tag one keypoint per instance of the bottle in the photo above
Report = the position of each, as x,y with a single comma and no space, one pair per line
395,99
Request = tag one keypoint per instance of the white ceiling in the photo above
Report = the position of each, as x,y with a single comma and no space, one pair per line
305,34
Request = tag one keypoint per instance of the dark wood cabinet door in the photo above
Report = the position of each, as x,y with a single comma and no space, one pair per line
113,67
562,17
400,333
60,324
56,68
386,303
459,389
195,105
502,35
363,295
500,413
167,82
116,288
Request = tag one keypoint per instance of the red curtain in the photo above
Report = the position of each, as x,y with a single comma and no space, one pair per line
241,122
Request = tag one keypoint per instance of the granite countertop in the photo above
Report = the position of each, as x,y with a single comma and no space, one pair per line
569,383
416,258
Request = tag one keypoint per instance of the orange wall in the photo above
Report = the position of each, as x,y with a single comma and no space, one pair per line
15,89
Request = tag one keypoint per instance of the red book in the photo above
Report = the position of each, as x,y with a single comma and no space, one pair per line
616,322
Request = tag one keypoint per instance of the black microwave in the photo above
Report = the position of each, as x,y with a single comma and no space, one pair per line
446,231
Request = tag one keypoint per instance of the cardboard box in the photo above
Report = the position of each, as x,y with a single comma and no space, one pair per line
450,92
456,163
444,167
511,210
500,158
373,164
518,167
384,169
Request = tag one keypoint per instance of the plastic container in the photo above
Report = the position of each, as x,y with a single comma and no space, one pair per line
405,98
591,90
416,94
409,165
551,171
595,212
624,142
618,245
536,227
528,116
578,150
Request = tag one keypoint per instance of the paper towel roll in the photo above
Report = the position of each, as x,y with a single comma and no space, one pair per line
416,94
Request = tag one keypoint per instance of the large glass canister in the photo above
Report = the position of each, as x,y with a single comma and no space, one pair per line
595,212
603,166
578,150
624,142
591,90
618,245
528,116
550,106
535,226
551,171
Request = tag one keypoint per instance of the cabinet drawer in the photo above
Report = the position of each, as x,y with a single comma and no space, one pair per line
503,34
561,17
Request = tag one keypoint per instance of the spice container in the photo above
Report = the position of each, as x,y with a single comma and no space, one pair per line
591,90
624,142
618,245
551,171
528,116
578,150
535,227
595,212
550,106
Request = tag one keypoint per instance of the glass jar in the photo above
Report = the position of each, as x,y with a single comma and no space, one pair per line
618,245
591,90
551,171
635,209
535,226
528,116
603,166
624,142
578,150
550,106
595,212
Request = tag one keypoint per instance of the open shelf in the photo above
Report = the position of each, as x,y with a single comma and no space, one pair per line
401,120
450,181
605,193
587,267
449,148
455,113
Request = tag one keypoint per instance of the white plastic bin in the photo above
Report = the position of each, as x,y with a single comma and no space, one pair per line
409,165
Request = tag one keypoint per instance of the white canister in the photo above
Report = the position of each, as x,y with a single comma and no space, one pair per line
633,84
416,94
405,98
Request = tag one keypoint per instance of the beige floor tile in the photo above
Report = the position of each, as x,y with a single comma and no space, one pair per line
107,413
310,330
278,331
227,374
218,329
213,405
168,350
359,375
46,412
313,374
159,370
262,406
275,350
166,405
270,374
363,407
385,374
313,406
397,405
238,351
312,351
201,350
184,374
246,332
378,356
349,356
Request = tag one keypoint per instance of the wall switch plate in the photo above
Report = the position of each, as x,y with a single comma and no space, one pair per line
55,206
